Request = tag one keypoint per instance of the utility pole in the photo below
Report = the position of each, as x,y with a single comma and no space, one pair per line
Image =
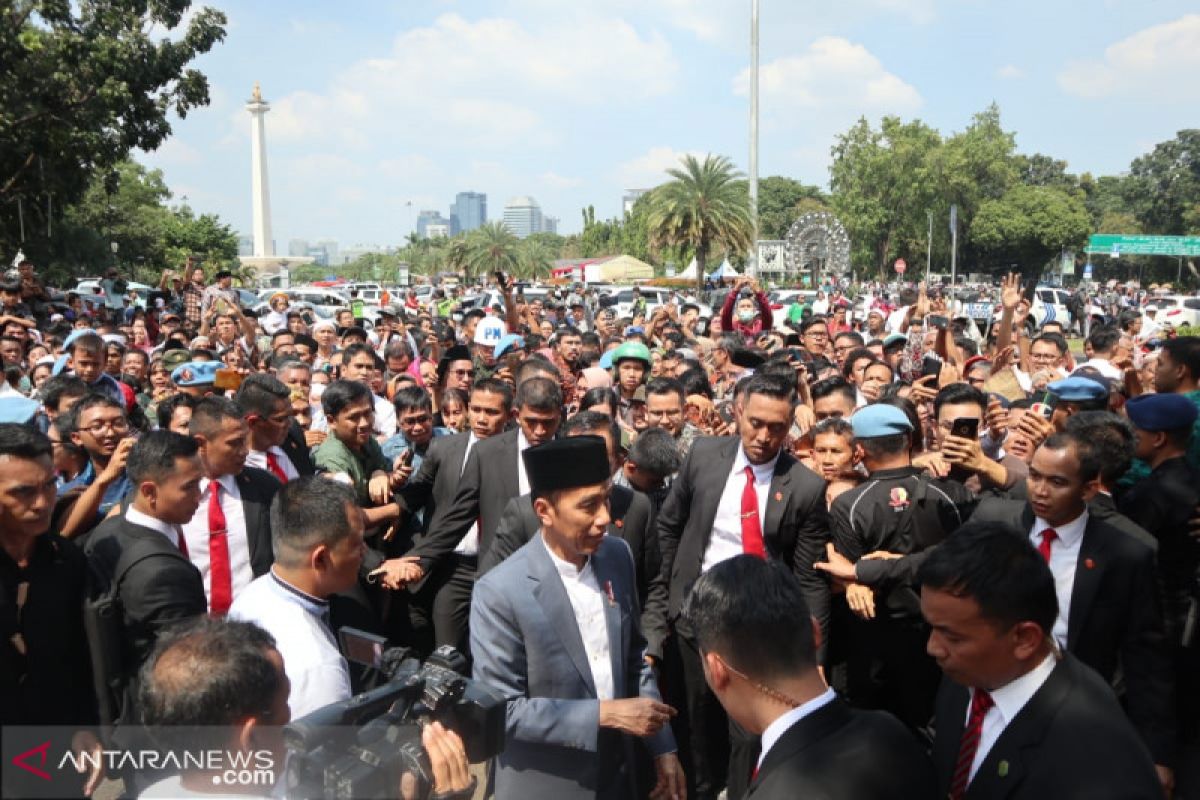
953,243
752,259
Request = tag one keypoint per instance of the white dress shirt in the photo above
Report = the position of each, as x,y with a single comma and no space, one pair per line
146,521
726,539
196,532
587,601
469,544
1104,367
785,721
1009,700
385,417
1064,557
300,624
258,458
522,446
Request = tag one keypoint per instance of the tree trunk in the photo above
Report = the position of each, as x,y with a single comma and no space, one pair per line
701,267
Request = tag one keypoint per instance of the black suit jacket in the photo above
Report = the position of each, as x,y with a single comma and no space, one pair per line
631,521
795,529
840,752
297,450
157,592
436,481
258,488
1071,740
1115,625
488,482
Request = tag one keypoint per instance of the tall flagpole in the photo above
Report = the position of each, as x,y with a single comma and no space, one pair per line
752,259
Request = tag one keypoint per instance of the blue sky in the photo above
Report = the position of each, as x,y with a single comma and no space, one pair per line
379,104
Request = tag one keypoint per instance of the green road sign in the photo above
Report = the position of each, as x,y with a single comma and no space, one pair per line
1121,245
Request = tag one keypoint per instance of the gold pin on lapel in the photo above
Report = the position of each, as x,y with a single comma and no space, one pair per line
1089,563
1003,769
778,497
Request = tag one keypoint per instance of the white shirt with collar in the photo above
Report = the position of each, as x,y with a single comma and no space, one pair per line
522,446
1104,367
258,458
385,417
300,624
726,539
1064,557
1008,701
784,722
153,523
195,531
587,601
469,544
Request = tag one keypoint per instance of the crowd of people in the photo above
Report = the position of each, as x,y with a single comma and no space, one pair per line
895,557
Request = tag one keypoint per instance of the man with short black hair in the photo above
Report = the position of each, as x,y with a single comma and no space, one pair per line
664,409
360,363
267,405
160,586
833,397
759,648
229,536
652,460
99,426
317,536
1109,600
741,494
1016,718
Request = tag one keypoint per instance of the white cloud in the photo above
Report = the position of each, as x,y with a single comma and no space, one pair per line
834,73
173,152
1157,62
1010,72
650,168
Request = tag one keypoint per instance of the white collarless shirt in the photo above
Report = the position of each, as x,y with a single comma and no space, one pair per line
258,458
1009,700
587,601
785,721
726,539
1064,558
146,521
300,624
469,544
195,531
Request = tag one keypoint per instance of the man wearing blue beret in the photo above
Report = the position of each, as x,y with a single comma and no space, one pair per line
1162,503
881,532
196,377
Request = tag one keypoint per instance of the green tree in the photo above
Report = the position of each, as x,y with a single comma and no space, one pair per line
883,183
1163,188
535,259
84,84
1029,225
778,201
705,207
491,247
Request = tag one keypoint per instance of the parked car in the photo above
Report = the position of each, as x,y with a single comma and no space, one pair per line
1177,310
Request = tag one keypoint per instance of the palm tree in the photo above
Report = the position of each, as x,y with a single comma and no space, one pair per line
455,257
705,208
491,248
535,259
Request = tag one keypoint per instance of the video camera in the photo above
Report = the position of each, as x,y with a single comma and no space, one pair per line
360,747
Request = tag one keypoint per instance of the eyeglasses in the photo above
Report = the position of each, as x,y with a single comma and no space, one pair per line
469,373
114,425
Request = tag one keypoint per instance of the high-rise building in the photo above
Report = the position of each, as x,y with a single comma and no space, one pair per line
629,198
429,217
330,246
467,212
437,230
549,224
297,247
318,254
245,245
523,216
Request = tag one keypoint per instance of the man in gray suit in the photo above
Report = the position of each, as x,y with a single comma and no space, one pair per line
554,628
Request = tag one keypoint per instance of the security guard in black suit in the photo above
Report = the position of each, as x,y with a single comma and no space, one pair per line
1162,503
881,531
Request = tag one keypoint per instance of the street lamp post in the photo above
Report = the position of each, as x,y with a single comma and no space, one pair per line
752,259
929,249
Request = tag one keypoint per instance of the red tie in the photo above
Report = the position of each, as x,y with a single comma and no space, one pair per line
969,743
182,542
1048,536
752,538
218,554
276,469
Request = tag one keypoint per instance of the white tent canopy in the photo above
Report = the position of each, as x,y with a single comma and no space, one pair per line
689,271
726,270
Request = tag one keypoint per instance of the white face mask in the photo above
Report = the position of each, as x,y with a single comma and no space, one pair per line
745,315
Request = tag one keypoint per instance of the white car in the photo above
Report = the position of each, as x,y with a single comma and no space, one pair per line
654,296
1177,310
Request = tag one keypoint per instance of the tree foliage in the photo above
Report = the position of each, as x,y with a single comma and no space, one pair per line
1163,188
132,212
83,85
491,247
781,200
1029,225
705,207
